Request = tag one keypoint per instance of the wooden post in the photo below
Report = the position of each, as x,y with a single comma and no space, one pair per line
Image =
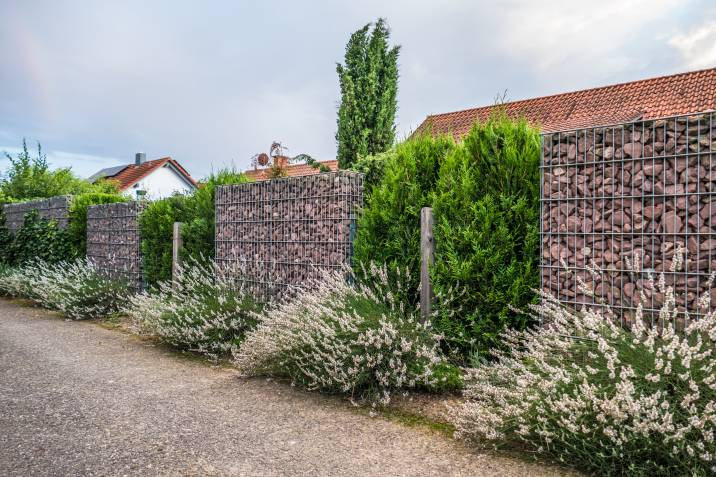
176,247
427,257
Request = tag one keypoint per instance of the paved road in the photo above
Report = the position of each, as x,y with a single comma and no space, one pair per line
78,399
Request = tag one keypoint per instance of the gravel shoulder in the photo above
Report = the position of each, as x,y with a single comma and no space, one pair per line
79,399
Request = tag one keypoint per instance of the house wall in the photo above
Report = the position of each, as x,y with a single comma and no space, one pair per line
161,183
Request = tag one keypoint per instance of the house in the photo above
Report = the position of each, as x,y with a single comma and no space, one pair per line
154,179
289,170
682,93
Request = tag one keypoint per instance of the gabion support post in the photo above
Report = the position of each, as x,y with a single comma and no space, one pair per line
176,249
427,257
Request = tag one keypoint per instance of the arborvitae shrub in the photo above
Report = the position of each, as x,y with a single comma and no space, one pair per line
487,231
156,224
373,168
389,227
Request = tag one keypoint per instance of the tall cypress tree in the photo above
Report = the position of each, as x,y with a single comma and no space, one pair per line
369,86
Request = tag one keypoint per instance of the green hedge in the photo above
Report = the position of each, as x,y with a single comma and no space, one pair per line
487,231
196,212
389,228
156,230
77,227
485,196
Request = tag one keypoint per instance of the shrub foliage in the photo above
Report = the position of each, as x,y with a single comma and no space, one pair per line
369,87
590,393
389,228
76,288
485,196
30,177
37,239
345,336
487,231
198,312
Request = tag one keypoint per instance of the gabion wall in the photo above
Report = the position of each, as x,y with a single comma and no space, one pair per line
57,208
640,189
113,242
276,234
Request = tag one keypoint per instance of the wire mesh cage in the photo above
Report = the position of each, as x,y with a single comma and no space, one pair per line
113,240
636,192
277,234
53,208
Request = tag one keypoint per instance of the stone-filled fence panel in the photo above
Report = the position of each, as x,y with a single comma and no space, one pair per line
113,240
281,233
53,208
636,191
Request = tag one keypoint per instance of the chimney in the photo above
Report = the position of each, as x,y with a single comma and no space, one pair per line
140,158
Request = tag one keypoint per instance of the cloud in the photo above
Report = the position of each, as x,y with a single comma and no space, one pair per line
698,46
214,85
580,40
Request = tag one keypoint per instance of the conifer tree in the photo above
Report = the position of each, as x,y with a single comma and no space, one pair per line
369,86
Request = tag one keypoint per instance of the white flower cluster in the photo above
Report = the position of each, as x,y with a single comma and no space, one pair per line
77,288
611,400
343,335
19,282
200,311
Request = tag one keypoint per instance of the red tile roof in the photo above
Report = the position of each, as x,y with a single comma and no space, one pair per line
682,93
133,173
294,170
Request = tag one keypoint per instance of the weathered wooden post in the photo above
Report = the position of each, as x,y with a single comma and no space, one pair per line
176,247
427,257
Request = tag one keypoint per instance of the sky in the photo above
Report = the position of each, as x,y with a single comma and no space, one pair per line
212,83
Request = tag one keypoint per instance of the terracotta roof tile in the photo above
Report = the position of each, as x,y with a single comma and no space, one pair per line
683,93
133,173
294,170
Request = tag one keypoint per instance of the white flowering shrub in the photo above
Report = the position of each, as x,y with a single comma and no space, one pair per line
76,289
612,401
20,282
202,311
347,336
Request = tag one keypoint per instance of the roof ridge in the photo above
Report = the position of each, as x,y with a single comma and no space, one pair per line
536,98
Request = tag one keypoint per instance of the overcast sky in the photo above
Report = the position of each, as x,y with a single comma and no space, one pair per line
212,83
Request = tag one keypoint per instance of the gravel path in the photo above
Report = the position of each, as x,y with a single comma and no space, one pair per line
78,399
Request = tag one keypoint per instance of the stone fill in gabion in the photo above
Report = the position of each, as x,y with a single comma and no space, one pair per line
113,240
636,190
54,208
278,234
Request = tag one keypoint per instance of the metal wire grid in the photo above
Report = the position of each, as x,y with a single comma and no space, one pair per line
279,234
113,240
600,205
56,208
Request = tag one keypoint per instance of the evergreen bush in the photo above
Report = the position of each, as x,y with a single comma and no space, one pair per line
369,89
373,168
487,231
389,227
156,224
